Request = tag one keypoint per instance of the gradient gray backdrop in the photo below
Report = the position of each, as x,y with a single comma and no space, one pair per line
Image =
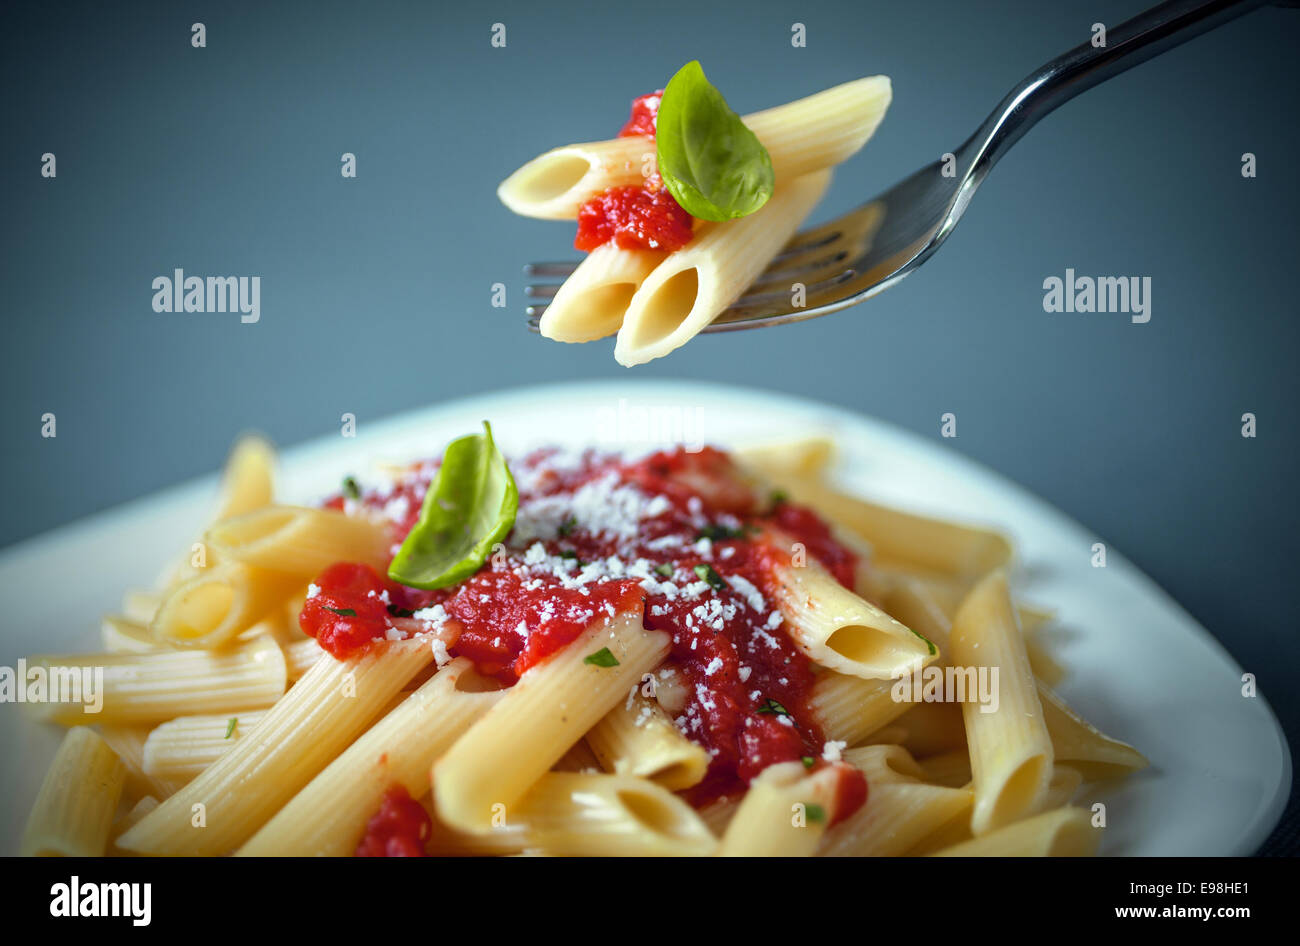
375,293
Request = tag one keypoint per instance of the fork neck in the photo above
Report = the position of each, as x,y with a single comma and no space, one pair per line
1126,45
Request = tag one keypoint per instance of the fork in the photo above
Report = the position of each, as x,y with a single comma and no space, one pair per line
877,244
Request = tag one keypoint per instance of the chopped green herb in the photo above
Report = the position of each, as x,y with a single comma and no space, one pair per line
468,509
814,812
707,574
230,726
350,488
568,525
928,643
778,497
342,612
569,555
664,569
717,532
774,708
808,761
397,612
601,658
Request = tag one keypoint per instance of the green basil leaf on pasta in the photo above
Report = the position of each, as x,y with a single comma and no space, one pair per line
470,506
711,163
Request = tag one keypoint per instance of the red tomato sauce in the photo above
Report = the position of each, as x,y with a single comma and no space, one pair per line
400,828
645,109
678,536
636,218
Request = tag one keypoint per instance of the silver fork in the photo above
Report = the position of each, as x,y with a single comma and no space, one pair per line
875,245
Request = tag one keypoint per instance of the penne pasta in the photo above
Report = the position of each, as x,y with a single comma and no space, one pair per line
127,743
141,808
693,286
74,808
884,763
300,656
246,485
567,814
215,606
904,539
897,816
784,813
625,671
237,794
1011,751
301,540
153,687
328,817
801,137
805,457
1078,742
638,738
850,709
181,748
839,630
1064,832
551,707
593,300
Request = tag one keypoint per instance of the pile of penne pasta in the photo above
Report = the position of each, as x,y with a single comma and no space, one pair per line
224,729
658,301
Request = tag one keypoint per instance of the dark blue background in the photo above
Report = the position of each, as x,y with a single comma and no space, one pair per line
375,294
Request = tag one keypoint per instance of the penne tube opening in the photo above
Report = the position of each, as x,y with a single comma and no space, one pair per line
664,310
593,300
545,178
554,185
599,312
659,812
698,282
863,644
1022,791
216,605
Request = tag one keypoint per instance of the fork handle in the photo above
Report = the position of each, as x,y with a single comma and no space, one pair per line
1132,42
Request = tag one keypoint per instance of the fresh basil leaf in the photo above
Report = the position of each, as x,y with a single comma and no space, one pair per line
397,612
710,577
351,489
808,761
664,569
711,163
469,507
772,707
230,726
342,612
567,526
601,658
814,812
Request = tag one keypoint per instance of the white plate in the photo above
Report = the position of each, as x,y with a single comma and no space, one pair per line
1140,667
